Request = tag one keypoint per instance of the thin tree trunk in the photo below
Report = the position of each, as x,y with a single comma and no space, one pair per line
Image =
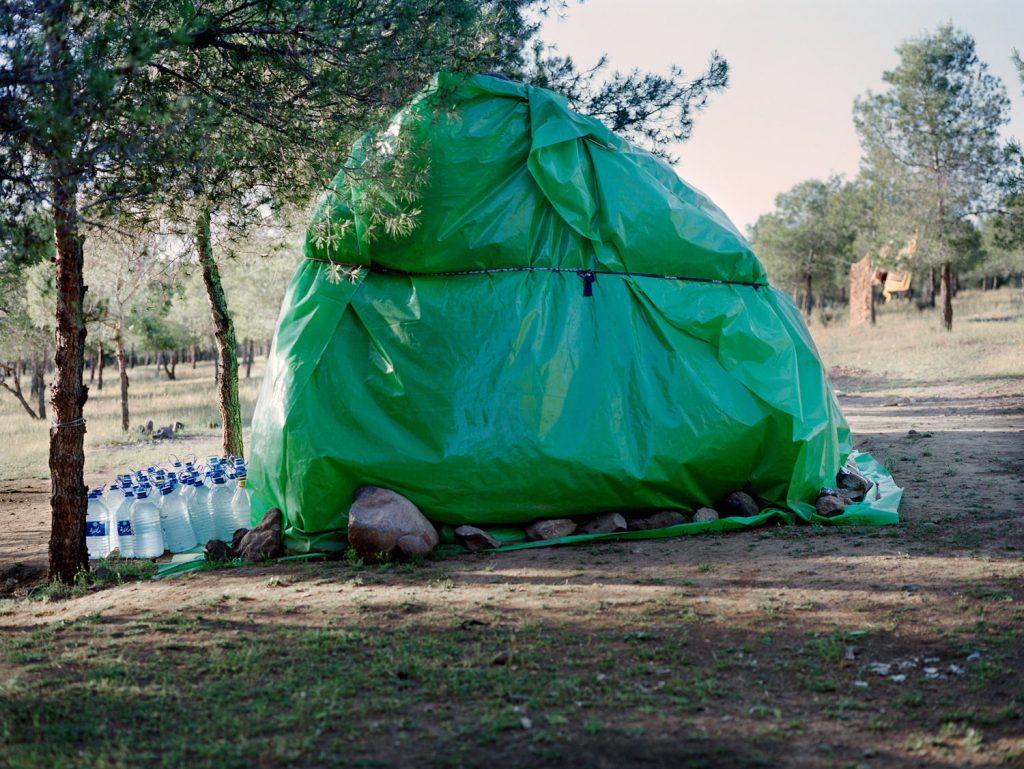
224,331
946,288
131,357
16,390
871,293
192,354
174,364
248,358
167,360
39,385
92,369
930,287
99,375
808,299
122,370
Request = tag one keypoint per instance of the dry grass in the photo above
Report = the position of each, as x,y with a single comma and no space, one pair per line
190,399
909,349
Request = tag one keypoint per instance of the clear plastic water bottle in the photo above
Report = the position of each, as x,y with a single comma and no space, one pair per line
174,520
149,539
219,503
125,530
97,520
199,512
241,506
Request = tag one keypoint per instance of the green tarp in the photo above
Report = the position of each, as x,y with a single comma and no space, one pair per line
560,327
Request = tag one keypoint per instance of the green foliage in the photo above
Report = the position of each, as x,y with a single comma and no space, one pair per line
810,236
933,156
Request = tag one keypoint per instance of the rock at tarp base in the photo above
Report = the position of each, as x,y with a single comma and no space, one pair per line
217,551
237,537
705,515
608,523
472,538
383,522
738,505
829,505
657,521
852,481
550,529
265,540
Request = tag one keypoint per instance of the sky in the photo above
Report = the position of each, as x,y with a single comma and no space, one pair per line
796,67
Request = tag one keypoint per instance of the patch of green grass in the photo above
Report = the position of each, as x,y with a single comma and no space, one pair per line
107,573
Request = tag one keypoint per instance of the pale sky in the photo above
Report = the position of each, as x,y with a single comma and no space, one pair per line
795,68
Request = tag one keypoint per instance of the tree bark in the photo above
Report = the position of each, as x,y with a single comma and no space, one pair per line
99,374
946,289
808,298
224,332
39,386
248,358
122,370
68,554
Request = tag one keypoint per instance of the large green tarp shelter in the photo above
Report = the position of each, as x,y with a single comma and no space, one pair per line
560,327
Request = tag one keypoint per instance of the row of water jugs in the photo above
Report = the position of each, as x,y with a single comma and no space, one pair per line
149,511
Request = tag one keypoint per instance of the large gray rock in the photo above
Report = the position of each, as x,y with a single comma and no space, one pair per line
657,521
603,524
829,505
705,515
472,538
264,541
552,528
383,522
738,505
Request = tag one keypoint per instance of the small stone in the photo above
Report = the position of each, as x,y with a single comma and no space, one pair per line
604,524
217,550
265,540
660,520
738,505
472,538
850,479
553,528
383,522
829,507
704,515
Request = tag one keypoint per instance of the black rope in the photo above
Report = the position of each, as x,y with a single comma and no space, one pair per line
588,276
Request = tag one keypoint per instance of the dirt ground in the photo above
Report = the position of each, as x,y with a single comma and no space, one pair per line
808,647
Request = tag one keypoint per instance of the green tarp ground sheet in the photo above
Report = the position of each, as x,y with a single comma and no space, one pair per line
545,322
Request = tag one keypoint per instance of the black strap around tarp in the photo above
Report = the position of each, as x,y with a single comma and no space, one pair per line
589,277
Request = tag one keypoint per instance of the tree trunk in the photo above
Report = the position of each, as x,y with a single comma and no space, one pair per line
168,362
174,364
192,354
946,289
930,287
92,369
248,358
99,375
122,370
131,357
808,298
16,390
224,331
68,554
39,386
871,289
